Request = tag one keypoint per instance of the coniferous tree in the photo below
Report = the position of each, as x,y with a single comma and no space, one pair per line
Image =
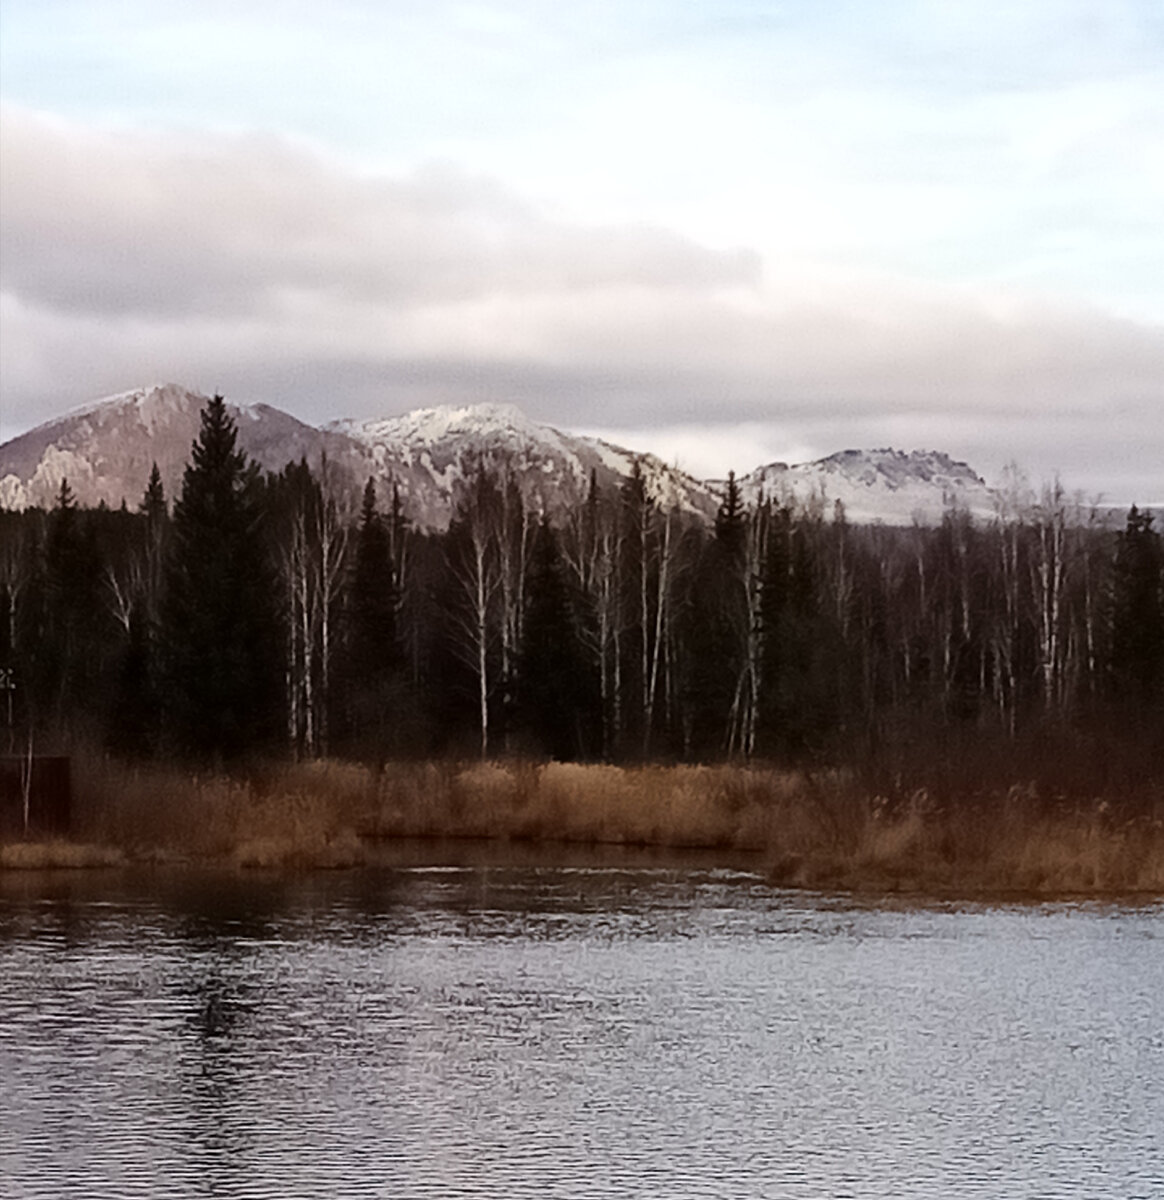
157,521
153,503
793,711
559,688
715,611
373,648
1137,623
730,523
133,726
219,614
70,656
373,596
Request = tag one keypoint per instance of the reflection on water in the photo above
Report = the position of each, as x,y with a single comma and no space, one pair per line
602,1029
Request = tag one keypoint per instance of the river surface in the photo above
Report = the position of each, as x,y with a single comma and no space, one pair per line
606,1028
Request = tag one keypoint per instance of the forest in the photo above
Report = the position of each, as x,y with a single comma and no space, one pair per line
285,617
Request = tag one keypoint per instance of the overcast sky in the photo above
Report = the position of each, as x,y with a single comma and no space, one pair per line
730,231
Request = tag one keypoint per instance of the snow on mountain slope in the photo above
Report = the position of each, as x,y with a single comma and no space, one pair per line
887,486
106,450
432,452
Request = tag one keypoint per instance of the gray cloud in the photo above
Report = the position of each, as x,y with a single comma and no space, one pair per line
140,225
257,268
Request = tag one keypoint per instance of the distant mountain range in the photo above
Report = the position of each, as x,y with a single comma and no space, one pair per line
106,451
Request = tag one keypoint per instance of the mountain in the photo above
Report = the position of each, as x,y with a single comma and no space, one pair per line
106,450
889,486
431,451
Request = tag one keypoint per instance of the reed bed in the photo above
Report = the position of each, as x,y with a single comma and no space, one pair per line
821,829
58,854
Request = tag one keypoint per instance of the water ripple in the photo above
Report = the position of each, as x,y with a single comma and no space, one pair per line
572,1033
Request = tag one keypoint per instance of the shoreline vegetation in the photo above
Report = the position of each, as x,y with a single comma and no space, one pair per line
975,706
826,829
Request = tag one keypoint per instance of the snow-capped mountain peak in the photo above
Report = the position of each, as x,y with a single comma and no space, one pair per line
425,427
106,450
431,453
897,468
152,406
891,486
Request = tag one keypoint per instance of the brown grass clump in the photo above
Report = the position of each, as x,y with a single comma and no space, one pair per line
722,807
57,854
1014,842
304,815
822,829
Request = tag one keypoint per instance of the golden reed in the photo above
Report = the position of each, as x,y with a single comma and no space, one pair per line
809,829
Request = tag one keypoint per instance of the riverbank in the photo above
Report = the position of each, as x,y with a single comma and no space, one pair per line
807,829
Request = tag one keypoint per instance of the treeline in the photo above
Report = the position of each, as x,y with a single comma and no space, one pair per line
263,615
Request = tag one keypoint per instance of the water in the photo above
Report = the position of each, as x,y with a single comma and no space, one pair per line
625,1029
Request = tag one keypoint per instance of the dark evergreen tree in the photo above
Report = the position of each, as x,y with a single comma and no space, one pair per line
157,520
731,524
1137,607
373,662
714,630
133,725
373,597
796,711
220,621
69,654
153,503
559,706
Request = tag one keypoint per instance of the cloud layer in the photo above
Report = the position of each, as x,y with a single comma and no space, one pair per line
262,268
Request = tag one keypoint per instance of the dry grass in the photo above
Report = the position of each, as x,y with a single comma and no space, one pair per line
1012,842
819,829
306,815
57,854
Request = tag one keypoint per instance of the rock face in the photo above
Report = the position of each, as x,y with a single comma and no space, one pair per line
889,486
432,452
106,451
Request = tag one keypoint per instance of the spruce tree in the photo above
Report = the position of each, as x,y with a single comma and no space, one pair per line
715,625
731,524
68,653
373,594
1137,621
559,704
153,503
157,519
793,707
219,617
373,650
133,724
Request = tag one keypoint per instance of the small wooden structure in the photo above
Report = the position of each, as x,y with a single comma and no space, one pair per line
35,796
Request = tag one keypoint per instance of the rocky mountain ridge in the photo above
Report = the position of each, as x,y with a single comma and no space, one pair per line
432,451
106,450
887,485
